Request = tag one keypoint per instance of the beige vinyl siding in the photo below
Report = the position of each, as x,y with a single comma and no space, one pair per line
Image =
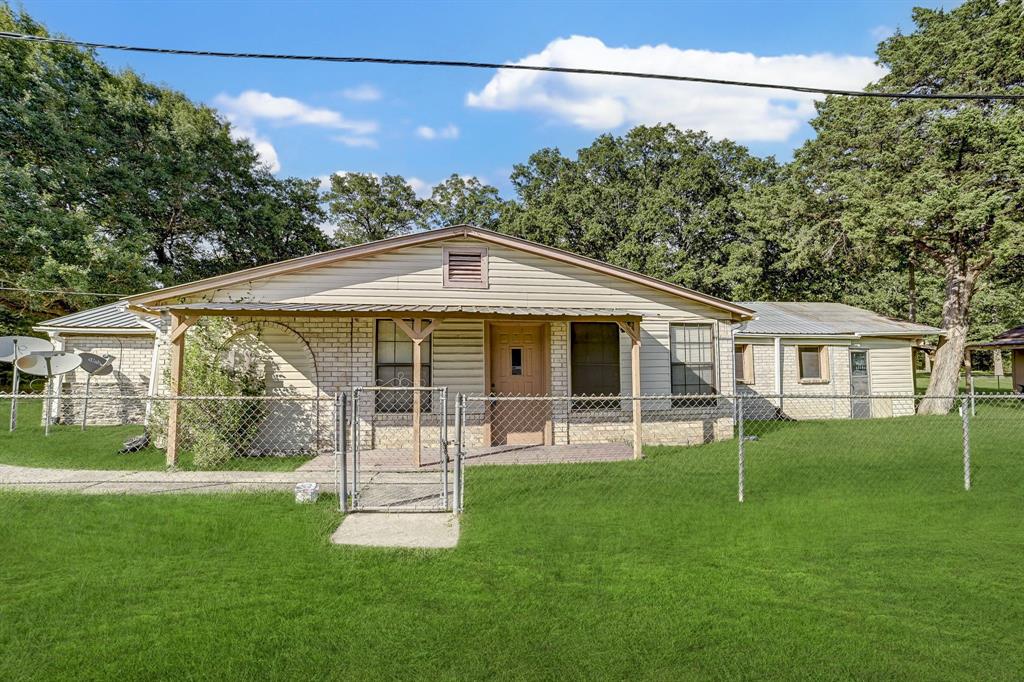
290,369
890,366
458,356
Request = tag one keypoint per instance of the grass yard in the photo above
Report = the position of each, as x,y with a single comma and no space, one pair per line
97,447
857,555
983,383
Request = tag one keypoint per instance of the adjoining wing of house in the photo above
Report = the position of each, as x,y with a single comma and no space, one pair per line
821,349
487,313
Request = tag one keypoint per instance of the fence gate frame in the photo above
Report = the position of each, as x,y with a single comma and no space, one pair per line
355,479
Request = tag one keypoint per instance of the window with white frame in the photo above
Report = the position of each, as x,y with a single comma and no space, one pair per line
693,359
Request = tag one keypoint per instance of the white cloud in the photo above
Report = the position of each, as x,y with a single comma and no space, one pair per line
356,141
606,102
421,187
264,149
449,132
882,31
362,93
253,105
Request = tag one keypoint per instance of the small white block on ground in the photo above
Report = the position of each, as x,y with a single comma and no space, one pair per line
432,531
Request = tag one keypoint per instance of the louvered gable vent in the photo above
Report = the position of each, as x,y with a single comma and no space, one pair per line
465,267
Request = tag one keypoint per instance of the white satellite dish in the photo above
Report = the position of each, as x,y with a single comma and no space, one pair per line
49,364
94,366
12,348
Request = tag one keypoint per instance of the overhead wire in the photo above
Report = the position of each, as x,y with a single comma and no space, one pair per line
392,61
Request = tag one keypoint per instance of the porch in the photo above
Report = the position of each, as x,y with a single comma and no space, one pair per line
394,352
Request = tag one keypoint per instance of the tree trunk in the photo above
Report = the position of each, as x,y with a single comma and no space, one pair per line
949,356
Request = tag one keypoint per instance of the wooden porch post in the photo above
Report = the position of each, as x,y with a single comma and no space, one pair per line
417,380
179,325
417,333
632,328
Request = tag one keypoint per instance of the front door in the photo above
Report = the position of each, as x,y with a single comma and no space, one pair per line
860,385
519,367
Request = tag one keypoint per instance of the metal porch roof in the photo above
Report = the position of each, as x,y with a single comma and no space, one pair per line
355,309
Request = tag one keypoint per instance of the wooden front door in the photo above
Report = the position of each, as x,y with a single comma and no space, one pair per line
519,367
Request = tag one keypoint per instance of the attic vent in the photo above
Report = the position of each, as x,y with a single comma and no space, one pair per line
465,267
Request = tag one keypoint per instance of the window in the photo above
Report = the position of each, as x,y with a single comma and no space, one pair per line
465,267
394,367
594,350
813,363
517,361
693,359
744,363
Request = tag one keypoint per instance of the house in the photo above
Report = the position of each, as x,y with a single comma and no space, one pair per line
134,342
820,354
1010,340
484,313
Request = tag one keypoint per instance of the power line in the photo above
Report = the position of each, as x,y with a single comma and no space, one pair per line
512,67
62,292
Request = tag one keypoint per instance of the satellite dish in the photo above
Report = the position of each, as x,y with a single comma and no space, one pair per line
48,363
97,365
12,348
94,365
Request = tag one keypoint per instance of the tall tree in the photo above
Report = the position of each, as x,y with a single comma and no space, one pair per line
936,181
112,184
366,207
462,201
658,200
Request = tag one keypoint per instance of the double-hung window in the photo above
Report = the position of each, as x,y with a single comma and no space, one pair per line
693,360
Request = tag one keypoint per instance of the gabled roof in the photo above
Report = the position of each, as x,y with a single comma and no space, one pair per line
385,245
109,318
826,319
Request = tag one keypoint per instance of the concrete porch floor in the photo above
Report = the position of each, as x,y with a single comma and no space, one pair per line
400,459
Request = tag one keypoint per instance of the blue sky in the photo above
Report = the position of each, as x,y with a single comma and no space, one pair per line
314,119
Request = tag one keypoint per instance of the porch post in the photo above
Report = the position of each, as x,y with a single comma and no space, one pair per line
635,376
179,325
632,329
417,333
417,379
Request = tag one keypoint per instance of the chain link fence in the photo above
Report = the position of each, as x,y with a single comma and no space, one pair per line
406,449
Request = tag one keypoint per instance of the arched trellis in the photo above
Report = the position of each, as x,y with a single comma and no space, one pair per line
257,326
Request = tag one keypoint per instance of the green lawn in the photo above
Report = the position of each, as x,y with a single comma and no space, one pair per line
857,555
97,447
983,383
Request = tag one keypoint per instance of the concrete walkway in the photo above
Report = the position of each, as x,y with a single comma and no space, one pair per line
429,531
155,482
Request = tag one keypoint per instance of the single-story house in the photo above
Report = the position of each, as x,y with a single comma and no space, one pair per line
484,313
820,354
135,343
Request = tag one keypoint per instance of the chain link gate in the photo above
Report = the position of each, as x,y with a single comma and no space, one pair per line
395,454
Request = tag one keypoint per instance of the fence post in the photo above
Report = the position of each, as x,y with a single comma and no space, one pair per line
742,453
355,447
341,438
443,454
965,412
460,415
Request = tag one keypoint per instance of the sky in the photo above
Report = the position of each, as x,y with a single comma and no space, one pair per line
313,119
